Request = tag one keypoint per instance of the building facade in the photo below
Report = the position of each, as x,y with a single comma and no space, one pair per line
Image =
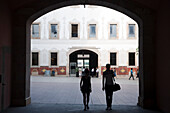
83,36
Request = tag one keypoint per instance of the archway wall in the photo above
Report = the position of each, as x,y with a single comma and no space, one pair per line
162,56
5,55
24,16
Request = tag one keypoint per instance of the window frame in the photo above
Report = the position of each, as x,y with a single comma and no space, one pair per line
135,31
58,30
56,59
92,38
129,59
39,30
117,31
38,58
53,51
116,58
78,37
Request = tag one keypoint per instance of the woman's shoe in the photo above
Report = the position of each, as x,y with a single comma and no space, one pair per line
107,108
87,107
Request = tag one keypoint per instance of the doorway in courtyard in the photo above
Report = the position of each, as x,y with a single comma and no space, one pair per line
66,40
82,59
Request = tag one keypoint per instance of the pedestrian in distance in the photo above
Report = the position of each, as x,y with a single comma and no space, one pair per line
53,72
92,72
85,87
83,71
114,72
131,74
77,72
137,73
97,72
108,82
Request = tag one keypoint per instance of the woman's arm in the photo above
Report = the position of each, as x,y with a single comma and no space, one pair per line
81,82
113,75
90,84
103,83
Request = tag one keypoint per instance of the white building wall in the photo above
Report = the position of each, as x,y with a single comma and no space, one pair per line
98,15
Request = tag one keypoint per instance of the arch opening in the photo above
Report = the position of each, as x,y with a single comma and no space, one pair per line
94,55
82,59
24,16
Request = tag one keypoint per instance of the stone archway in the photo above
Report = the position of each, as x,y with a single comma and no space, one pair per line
24,16
84,55
95,50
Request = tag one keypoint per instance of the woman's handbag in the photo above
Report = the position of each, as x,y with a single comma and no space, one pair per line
116,87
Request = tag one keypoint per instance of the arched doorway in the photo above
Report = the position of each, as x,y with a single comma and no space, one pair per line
82,59
142,15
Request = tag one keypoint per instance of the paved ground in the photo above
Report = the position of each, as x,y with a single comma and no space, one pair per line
65,90
62,95
62,108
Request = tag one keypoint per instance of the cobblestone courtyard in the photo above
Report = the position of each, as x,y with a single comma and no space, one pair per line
66,90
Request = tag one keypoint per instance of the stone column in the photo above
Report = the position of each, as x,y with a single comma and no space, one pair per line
147,91
20,94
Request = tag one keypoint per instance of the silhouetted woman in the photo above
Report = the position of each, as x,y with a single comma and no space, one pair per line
85,85
108,78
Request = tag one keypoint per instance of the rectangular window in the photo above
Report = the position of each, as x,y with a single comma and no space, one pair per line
92,33
34,58
54,30
132,59
74,30
53,59
131,30
112,58
35,31
113,30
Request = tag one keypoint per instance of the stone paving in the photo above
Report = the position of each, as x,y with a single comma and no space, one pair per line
62,95
66,90
63,108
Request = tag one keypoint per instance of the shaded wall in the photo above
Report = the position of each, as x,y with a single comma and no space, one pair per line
163,57
5,55
161,43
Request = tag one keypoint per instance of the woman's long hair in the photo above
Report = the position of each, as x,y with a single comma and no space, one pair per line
86,72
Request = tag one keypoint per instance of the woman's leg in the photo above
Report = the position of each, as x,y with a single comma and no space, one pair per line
107,98
111,96
88,98
84,100
110,93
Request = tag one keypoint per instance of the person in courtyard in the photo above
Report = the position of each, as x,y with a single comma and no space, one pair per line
77,72
97,72
53,72
114,72
92,72
80,71
131,74
83,71
85,86
137,73
108,82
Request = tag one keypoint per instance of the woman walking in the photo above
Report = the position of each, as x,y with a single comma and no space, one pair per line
108,77
85,85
